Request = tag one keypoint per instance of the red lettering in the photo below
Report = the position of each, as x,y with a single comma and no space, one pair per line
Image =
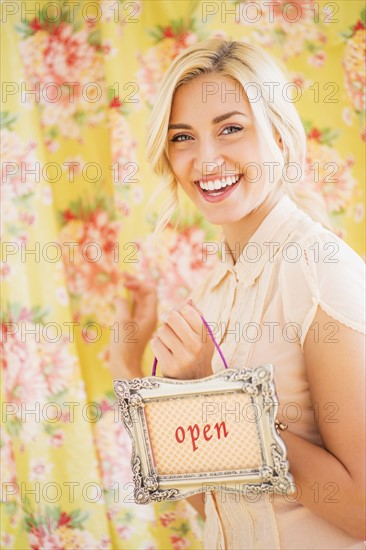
180,433
194,430
206,429
177,435
218,429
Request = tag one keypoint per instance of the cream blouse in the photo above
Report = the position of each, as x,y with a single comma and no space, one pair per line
261,310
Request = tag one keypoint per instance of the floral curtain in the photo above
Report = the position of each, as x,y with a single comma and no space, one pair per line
78,81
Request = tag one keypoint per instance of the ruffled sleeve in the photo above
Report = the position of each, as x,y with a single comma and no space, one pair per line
321,269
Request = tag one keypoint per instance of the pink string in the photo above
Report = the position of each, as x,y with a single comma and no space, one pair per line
153,372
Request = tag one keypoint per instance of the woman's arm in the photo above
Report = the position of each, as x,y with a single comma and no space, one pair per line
126,348
332,480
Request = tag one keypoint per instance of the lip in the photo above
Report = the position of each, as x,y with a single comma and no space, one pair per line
228,190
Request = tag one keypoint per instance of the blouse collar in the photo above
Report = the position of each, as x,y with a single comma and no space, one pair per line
261,247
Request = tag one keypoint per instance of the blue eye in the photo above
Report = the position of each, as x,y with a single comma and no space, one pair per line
178,137
236,129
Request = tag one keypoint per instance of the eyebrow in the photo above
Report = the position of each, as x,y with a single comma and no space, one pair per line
215,120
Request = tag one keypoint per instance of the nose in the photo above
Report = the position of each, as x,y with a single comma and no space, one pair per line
208,159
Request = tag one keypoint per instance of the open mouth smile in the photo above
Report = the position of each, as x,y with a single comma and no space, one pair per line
217,190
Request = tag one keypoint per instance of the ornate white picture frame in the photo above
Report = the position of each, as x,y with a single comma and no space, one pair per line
190,436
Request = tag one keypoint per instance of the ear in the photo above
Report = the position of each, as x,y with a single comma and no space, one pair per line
279,141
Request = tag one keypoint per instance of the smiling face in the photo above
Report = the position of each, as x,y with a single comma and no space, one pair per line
211,141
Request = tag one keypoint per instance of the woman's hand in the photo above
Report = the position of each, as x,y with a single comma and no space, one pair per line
182,346
136,325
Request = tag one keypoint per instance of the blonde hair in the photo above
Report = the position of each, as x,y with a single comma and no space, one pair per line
249,65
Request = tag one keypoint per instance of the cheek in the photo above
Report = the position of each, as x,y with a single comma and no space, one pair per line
245,151
179,161
253,172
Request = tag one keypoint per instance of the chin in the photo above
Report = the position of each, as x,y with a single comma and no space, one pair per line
223,219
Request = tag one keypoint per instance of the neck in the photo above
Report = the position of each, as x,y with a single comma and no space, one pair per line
238,234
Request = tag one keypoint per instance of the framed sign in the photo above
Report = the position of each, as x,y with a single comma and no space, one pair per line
190,436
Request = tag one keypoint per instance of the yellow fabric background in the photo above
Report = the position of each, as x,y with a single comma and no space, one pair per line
40,290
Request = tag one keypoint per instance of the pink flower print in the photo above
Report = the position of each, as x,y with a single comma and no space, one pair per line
318,59
22,378
57,365
39,469
179,543
62,55
124,531
20,158
353,63
359,212
7,540
167,518
337,187
57,439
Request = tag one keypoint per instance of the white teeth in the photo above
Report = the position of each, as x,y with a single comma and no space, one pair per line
218,184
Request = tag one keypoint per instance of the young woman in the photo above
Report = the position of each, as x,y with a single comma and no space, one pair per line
288,291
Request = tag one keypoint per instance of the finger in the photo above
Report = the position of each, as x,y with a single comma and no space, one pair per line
145,297
164,356
180,327
138,278
182,353
135,275
160,350
131,281
191,303
170,339
144,293
122,309
146,286
192,317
